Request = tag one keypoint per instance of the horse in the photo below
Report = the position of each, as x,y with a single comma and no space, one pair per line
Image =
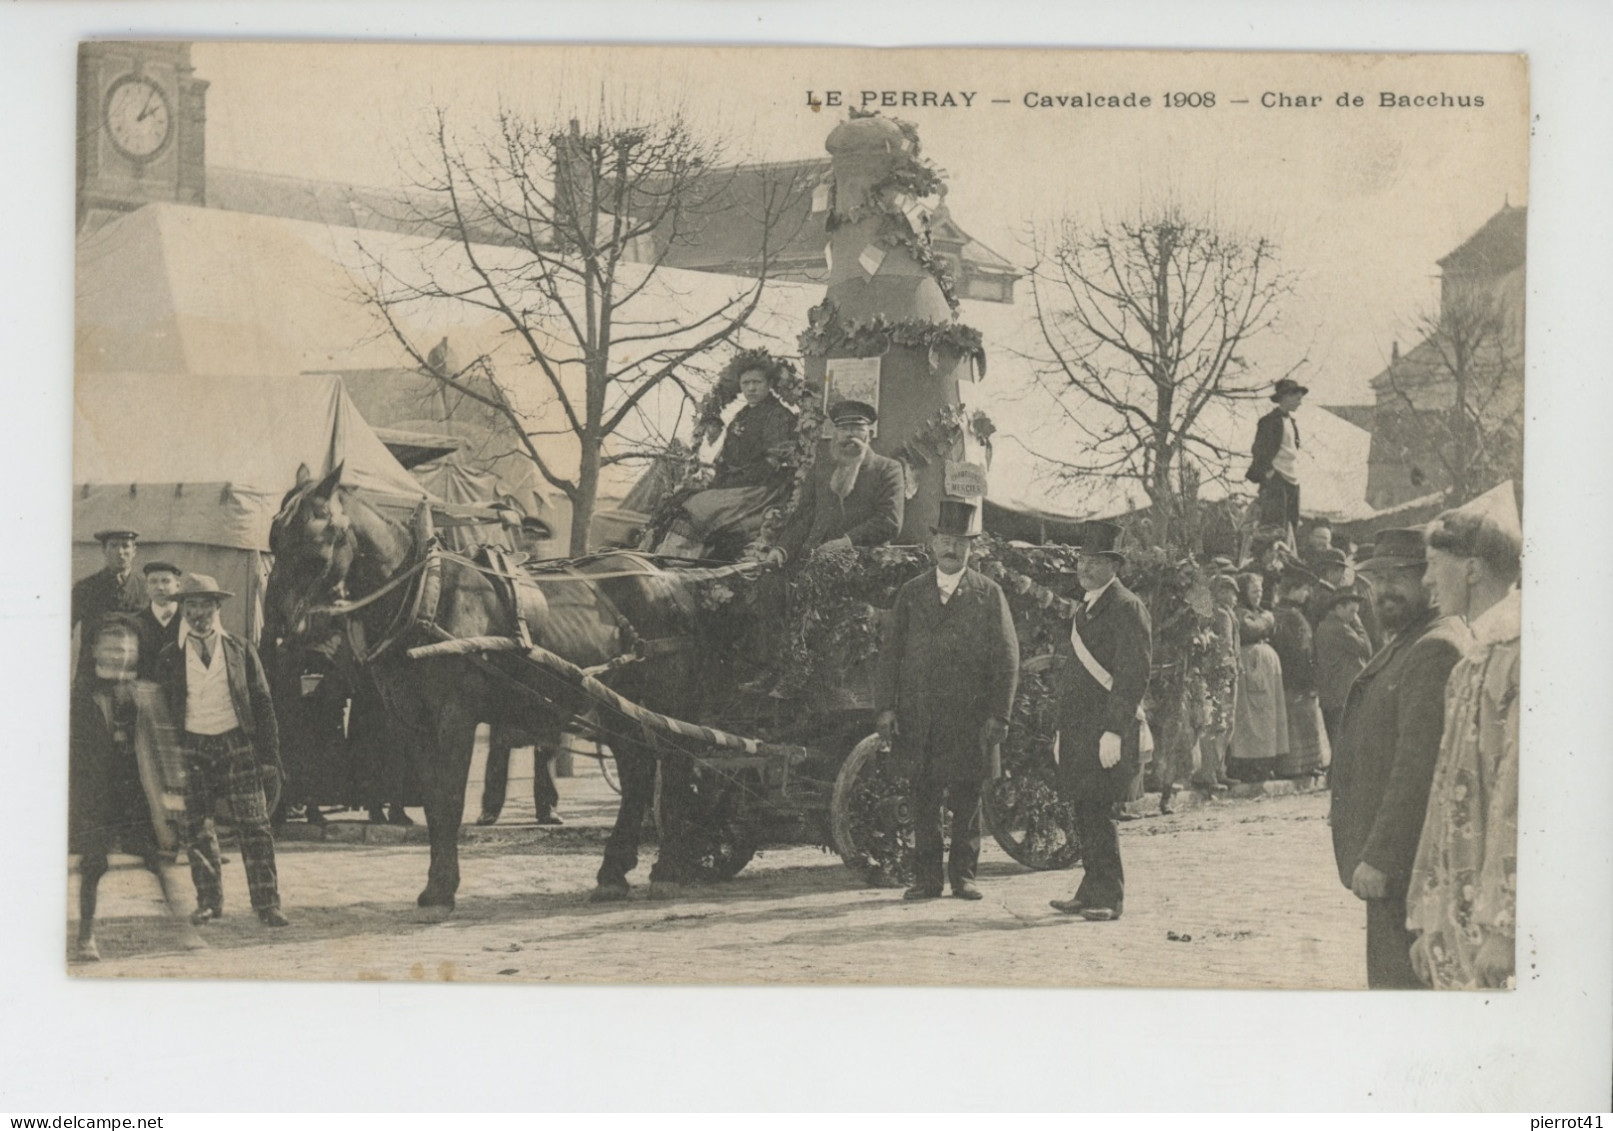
332,544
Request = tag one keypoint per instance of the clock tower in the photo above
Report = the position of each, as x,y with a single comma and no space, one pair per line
141,127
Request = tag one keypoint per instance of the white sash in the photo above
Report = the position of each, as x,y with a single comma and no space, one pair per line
1145,734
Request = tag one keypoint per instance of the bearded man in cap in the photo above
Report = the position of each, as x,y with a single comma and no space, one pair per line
218,694
944,691
114,588
1101,682
853,499
1464,883
1389,738
1276,450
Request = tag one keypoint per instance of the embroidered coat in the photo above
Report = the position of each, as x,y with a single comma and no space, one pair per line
1464,883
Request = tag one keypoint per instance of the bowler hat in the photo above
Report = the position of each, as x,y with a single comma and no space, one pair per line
1286,385
848,412
1101,538
1399,548
200,585
957,518
158,567
107,535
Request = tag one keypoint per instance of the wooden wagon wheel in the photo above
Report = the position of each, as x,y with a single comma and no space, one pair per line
871,816
1023,808
720,823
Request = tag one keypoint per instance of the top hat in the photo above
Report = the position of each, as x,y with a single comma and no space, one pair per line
1286,385
957,518
200,585
155,567
848,412
1399,548
1101,538
104,536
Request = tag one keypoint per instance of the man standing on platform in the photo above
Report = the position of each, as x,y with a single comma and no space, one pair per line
1275,467
1388,741
159,621
944,690
219,696
1101,683
114,588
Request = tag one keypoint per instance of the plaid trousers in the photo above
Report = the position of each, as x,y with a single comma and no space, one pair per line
223,765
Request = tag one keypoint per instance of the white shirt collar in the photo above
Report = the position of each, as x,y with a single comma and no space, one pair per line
948,583
173,611
1092,597
1501,622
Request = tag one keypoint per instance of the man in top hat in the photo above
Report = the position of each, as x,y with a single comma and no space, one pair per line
1464,882
218,694
114,588
944,691
1276,451
159,622
1389,736
1101,683
855,498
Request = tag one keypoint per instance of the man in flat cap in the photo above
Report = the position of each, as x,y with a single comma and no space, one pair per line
114,588
1389,736
853,499
1101,683
159,622
1276,451
944,691
218,695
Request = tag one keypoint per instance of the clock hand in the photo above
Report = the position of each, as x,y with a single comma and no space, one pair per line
146,109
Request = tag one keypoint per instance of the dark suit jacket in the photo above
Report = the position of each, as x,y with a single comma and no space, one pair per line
249,693
754,433
1291,639
1388,743
154,637
946,669
1268,440
96,597
870,515
1118,634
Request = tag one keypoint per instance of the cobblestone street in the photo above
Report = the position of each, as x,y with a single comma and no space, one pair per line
1235,893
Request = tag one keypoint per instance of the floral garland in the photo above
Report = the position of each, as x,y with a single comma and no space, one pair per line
788,385
827,334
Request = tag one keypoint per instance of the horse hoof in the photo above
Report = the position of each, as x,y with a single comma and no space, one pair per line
610,893
430,900
487,819
86,951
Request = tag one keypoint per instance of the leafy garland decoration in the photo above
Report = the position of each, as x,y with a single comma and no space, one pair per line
827,335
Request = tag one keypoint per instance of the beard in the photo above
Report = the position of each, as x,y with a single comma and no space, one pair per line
1396,612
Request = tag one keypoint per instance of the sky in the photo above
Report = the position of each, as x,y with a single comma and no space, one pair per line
1362,200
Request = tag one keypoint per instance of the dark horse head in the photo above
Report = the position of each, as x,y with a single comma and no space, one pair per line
313,545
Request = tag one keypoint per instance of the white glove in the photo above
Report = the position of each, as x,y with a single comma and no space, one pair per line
1109,750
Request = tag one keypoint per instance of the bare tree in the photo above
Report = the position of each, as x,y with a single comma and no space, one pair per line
1462,390
559,236
1147,322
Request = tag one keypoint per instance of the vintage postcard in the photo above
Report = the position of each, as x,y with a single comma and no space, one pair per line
800,516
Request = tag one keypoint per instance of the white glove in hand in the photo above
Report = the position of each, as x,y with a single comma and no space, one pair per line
1109,750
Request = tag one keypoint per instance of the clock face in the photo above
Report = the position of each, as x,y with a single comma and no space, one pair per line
138,118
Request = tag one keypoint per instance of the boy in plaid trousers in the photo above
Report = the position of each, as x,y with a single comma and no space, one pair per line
218,693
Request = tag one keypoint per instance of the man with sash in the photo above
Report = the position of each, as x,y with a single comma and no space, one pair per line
1100,684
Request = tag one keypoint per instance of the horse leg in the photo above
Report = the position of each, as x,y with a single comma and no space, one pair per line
91,867
636,766
448,751
671,870
545,796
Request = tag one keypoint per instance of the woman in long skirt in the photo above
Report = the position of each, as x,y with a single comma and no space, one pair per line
1260,731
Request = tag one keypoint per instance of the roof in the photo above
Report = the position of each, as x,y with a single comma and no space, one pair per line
206,458
1495,249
